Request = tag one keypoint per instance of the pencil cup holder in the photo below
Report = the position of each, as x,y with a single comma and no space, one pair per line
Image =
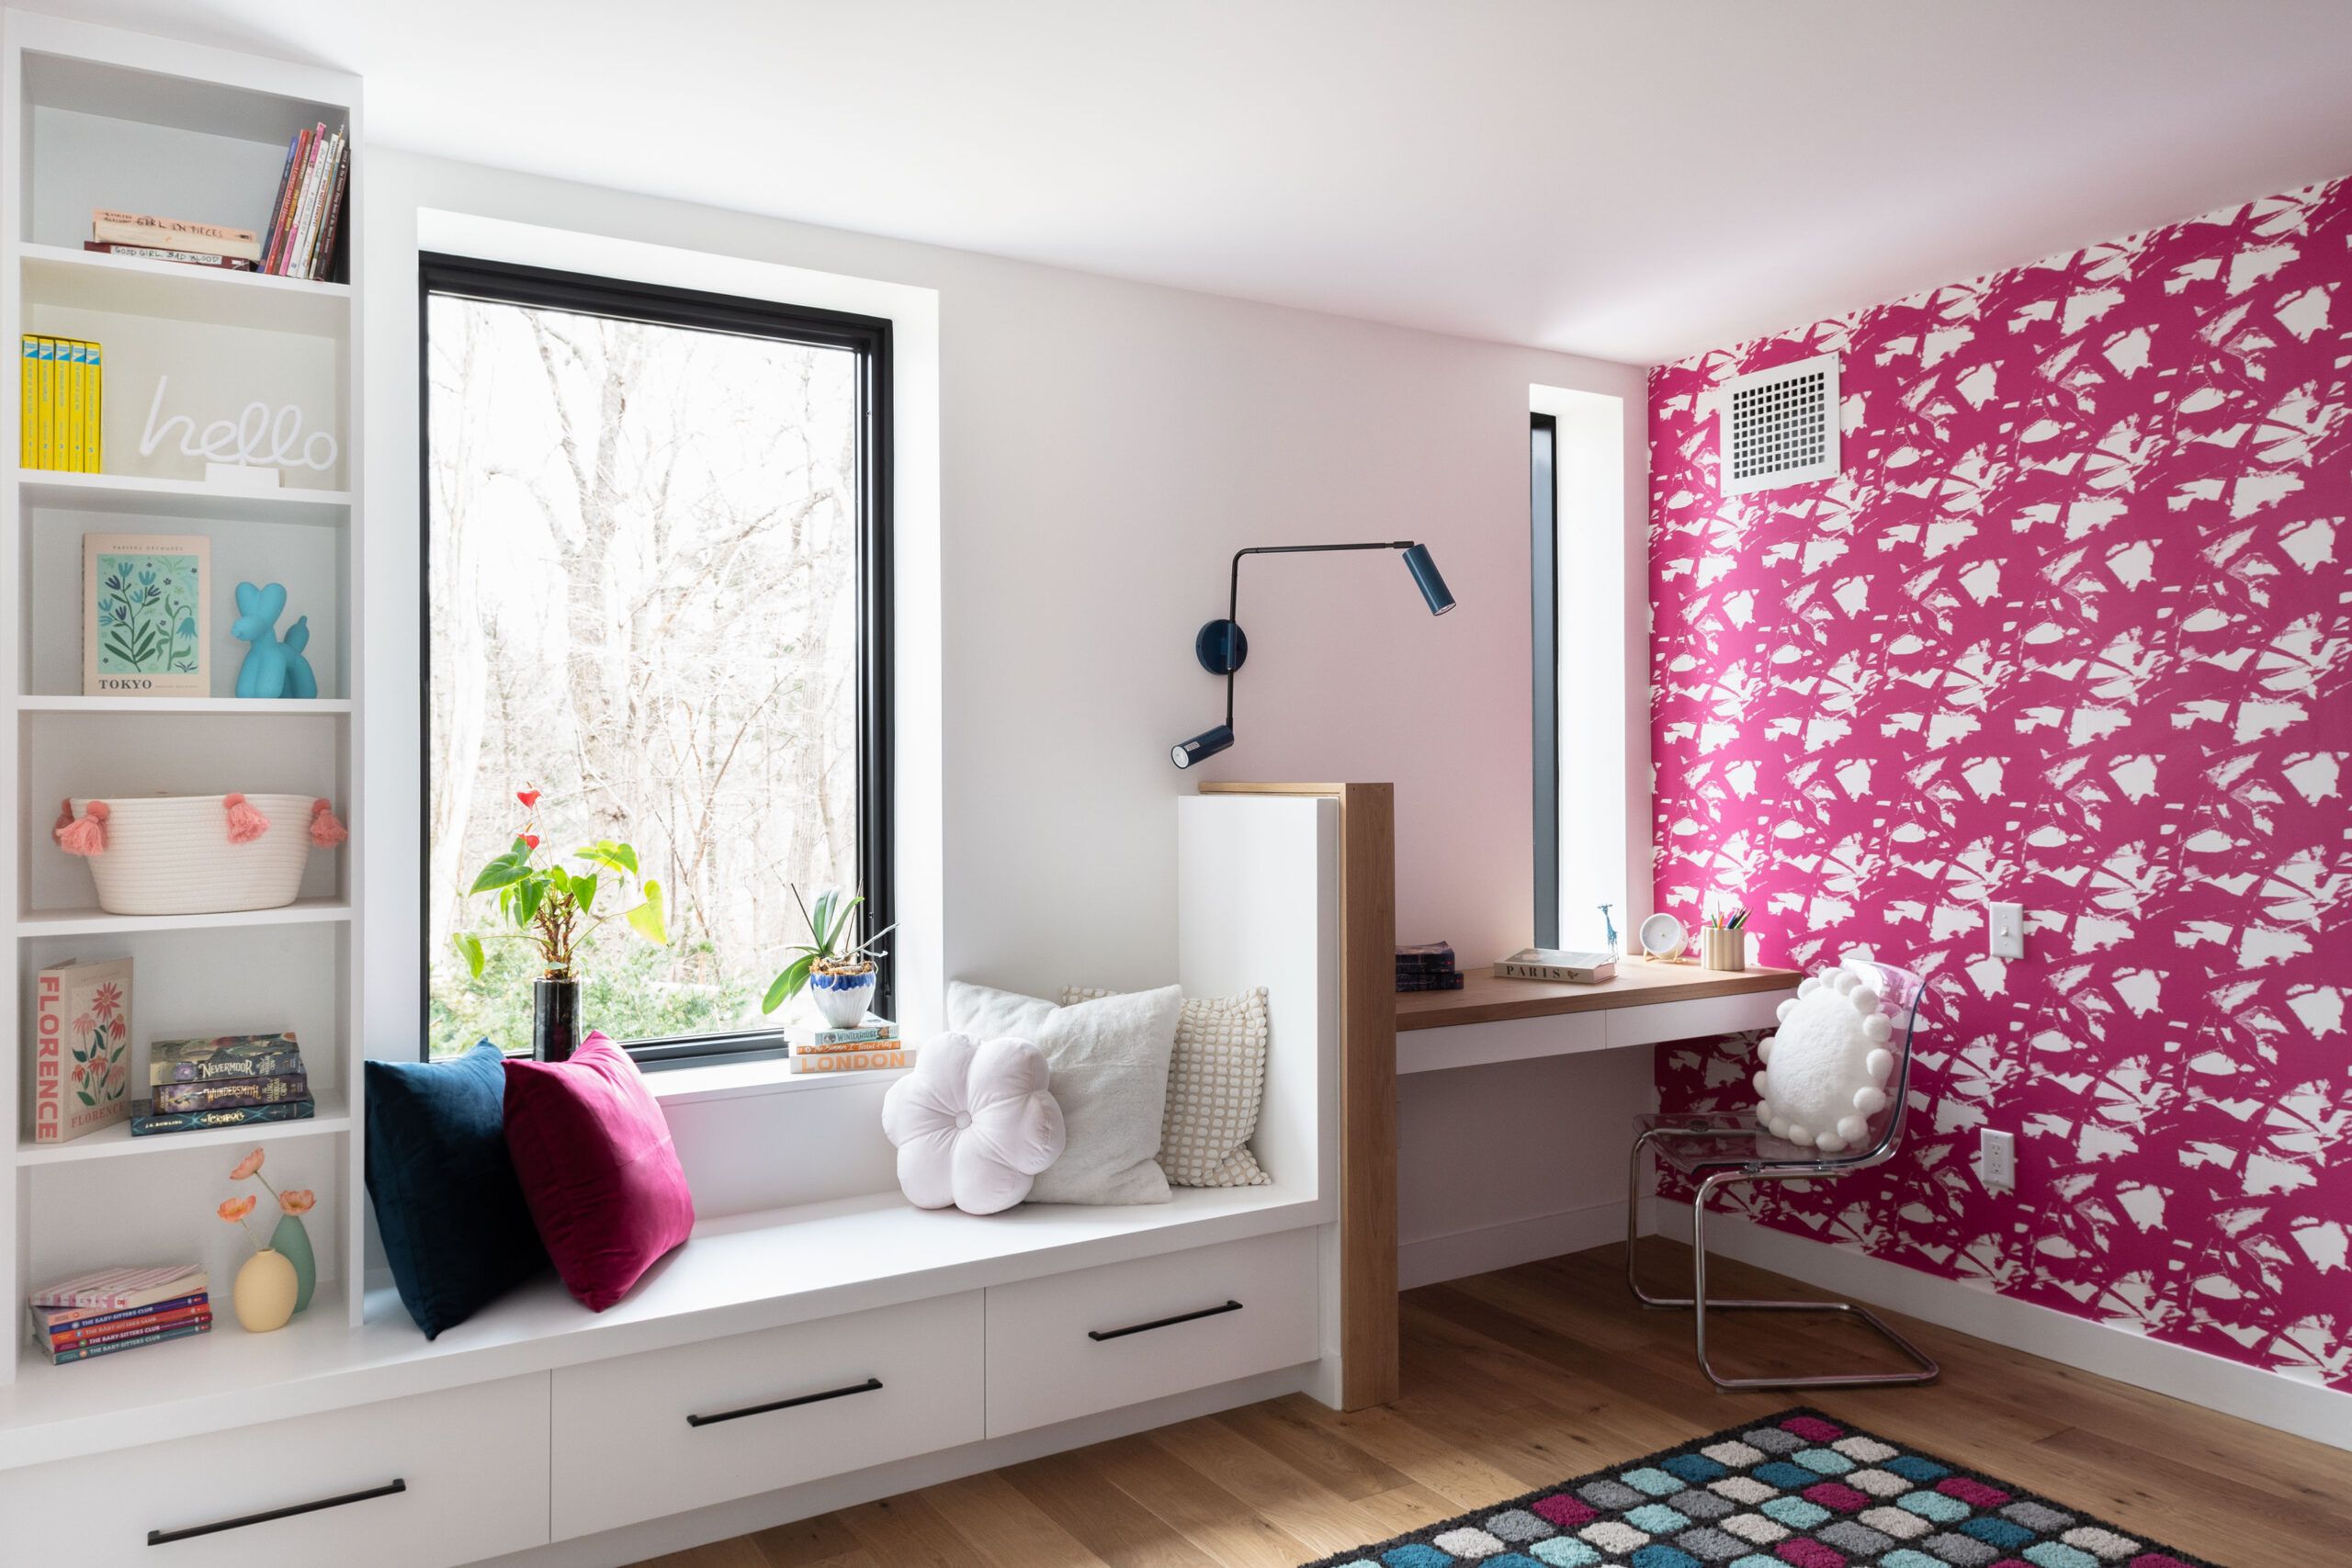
1722,949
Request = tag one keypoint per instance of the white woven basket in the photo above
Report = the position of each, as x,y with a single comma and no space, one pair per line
171,854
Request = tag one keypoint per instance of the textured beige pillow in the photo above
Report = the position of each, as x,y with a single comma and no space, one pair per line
1217,1079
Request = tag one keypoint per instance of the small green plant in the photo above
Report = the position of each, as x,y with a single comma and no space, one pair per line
554,909
828,926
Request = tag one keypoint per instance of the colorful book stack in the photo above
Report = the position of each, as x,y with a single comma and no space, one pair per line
862,1050
232,1080
119,1309
61,396
1428,967
306,218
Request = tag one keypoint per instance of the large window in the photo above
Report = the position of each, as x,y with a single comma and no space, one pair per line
657,589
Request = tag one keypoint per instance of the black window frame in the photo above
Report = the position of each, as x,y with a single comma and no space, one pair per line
869,337
1543,556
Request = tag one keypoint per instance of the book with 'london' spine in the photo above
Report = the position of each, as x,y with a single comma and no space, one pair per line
1553,963
229,1094
146,1121
865,1061
89,1352
223,1057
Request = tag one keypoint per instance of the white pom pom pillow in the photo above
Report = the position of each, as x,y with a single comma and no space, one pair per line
1825,1069
974,1123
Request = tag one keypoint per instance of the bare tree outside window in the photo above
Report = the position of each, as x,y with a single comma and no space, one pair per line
642,582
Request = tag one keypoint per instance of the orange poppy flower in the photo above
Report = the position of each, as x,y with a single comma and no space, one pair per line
246,1166
298,1200
234,1210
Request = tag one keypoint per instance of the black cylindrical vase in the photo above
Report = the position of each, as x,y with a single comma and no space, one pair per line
555,1019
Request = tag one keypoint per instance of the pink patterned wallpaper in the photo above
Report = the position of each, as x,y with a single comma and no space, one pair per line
2073,630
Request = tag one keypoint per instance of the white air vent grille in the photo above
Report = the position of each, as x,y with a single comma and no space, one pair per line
1781,426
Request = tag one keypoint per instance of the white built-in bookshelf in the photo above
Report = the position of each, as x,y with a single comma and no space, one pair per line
100,117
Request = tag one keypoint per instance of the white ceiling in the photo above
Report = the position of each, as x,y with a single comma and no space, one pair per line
1635,179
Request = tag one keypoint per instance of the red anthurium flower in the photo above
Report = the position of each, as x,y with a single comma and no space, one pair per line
529,797
532,840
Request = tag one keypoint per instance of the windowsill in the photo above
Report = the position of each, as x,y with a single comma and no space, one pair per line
741,1080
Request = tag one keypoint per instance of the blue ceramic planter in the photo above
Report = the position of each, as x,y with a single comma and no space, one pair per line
290,1241
843,998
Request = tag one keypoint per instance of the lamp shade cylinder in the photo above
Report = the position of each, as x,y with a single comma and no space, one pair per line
1207,743
1427,577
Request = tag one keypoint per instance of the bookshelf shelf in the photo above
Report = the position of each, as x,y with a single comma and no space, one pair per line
243,707
131,286
94,923
115,1142
132,496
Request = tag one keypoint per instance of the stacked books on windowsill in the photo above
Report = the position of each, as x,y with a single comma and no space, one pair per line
871,1047
119,1309
1427,967
231,1080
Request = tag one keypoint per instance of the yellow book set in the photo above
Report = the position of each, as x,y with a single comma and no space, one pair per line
61,401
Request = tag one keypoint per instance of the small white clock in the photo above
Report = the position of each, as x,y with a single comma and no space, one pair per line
1663,938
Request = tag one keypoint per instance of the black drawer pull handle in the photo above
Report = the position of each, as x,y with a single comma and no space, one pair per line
1098,1335
164,1537
868,1386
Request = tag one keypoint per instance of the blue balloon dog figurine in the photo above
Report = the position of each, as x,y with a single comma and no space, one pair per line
272,667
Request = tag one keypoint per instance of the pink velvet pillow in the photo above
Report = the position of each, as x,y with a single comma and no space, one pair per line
593,1152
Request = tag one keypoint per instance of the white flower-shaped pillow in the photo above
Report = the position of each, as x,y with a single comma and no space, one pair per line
974,1123
1825,1071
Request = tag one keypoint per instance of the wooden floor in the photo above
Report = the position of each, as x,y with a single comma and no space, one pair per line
1519,1378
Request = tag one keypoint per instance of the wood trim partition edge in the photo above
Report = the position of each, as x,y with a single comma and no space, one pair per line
1368,1323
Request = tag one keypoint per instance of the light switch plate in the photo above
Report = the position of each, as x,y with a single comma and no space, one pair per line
2008,929
1997,1160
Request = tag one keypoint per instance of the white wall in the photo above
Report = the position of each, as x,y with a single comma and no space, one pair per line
1103,447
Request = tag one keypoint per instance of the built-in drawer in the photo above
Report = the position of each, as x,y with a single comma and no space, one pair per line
643,1435
1099,1338
426,1482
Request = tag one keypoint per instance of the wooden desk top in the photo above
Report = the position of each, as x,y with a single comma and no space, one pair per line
1638,983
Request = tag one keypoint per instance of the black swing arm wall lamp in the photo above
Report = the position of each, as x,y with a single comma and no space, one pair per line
1221,647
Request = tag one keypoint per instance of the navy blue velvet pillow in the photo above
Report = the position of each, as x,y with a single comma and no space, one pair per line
456,1228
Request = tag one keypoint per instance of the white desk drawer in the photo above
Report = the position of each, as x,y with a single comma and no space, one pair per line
471,1465
1099,1338
643,1435
1695,1017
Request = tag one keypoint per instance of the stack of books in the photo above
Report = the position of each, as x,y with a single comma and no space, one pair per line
59,404
231,1080
121,1309
1427,967
149,238
868,1048
307,216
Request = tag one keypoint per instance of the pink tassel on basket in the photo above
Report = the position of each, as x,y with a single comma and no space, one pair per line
325,829
85,835
245,822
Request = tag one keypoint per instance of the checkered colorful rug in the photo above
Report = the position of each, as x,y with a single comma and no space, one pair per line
1795,1490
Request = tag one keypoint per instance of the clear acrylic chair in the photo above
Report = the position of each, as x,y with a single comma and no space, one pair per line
1720,1150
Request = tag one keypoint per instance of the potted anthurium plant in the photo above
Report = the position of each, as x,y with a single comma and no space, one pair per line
553,908
831,968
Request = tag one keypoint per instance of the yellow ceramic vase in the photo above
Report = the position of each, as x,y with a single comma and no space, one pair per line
265,1294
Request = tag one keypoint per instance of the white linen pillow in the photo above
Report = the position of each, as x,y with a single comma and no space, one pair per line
1110,1074
1216,1082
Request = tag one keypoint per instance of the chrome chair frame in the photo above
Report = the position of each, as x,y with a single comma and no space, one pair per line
1925,1367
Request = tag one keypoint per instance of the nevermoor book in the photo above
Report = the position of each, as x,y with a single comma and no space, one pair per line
224,1094
223,1057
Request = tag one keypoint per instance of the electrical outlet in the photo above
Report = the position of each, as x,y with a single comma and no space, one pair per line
1997,1160
2008,929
